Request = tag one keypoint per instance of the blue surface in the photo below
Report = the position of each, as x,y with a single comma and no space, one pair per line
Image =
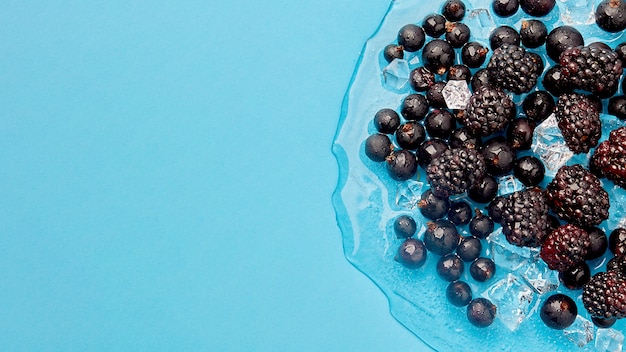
166,178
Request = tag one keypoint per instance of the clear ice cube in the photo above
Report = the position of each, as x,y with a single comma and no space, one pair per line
514,299
508,184
481,22
617,199
549,145
409,194
396,75
580,332
540,277
506,255
456,93
577,12
609,340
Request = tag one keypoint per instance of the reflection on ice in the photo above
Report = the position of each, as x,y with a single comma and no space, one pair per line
514,299
396,75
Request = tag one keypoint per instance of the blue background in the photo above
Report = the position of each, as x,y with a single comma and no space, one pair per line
166,176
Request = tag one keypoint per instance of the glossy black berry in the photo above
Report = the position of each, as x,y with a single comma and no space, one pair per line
433,207
414,107
434,95
434,25
519,133
460,213
499,156
441,237
450,267
576,276
392,52
469,248
600,45
505,8
611,15
603,323
411,37
598,243
430,150
459,293
503,35
558,311
440,123
378,147
617,106
421,79
404,226
554,82
453,10
401,165
617,242
463,138
529,170
538,105
481,225
473,54
484,191
481,312
410,135
533,33
412,253
496,207
482,269
537,8
457,34
620,50
561,38
438,56
553,223
386,121
480,79
459,73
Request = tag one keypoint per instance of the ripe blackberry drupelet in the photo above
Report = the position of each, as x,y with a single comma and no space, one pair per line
524,217
576,195
455,171
513,69
565,247
609,158
488,111
592,68
603,295
579,121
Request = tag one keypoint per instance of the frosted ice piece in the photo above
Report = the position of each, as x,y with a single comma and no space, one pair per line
514,299
577,12
549,145
396,75
456,93
580,332
540,277
481,22
508,184
609,340
408,194
412,58
507,255
617,198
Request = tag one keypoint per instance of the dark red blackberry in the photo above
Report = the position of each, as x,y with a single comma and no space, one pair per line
555,83
503,35
410,135
617,106
576,195
438,56
440,123
505,8
404,226
520,133
593,69
538,105
421,79
459,73
412,253
537,8
524,217
533,33
488,111
609,158
617,264
484,191
414,107
565,247
576,276
378,147
617,242
457,34
579,122
386,121
401,165
392,52
561,38
473,54
603,295
499,156
430,150
455,171
434,25
529,170
611,15
453,10
513,69
433,207
558,311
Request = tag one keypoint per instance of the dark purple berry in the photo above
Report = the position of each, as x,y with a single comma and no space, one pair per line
410,135
538,105
496,207
529,170
450,267
481,79
481,225
438,56
412,253
433,207
421,79
469,248
411,37
463,138
459,73
440,123
434,25
611,15
617,242
576,276
533,33
519,133
460,213
558,311
392,52
603,323
473,54
561,38
441,237
600,45
401,165
503,35
554,82
404,226
481,312
599,243
537,8
430,150
617,106
499,156
386,121
453,10
505,8
378,147
457,34
434,95
553,223
414,107
482,269
620,50
484,191
459,293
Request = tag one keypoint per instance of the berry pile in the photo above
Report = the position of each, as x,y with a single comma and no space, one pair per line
463,152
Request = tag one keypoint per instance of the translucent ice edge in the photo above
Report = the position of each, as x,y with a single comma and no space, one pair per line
365,205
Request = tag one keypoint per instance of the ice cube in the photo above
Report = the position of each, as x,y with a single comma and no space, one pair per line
514,299
396,75
540,277
507,255
509,184
577,12
456,93
409,194
549,145
609,340
580,332
481,22
617,199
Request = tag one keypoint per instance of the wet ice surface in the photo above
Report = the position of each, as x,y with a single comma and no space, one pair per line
609,340
540,277
514,299
408,194
396,75
580,332
549,145
456,93
481,23
575,12
506,255
508,184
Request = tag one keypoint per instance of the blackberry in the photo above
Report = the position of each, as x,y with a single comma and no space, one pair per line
538,105
404,226
481,312
482,269
617,107
438,56
430,150
481,225
457,34
503,35
484,191
459,293
603,295
434,95
421,79
441,237
555,83
473,54
480,79
453,10
433,207
533,33
576,195
520,133
599,243
411,253
576,276
378,147
617,264
561,38
558,311
392,52
488,112
460,213
459,73
499,156
609,158
513,69
469,248
434,25
529,170
617,242
414,107
450,267
440,123
386,120
593,69
565,247
410,135
455,171
611,15
505,8
537,8
463,138
579,122
524,217
411,37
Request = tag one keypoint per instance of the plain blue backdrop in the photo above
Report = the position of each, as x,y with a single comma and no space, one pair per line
166,176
